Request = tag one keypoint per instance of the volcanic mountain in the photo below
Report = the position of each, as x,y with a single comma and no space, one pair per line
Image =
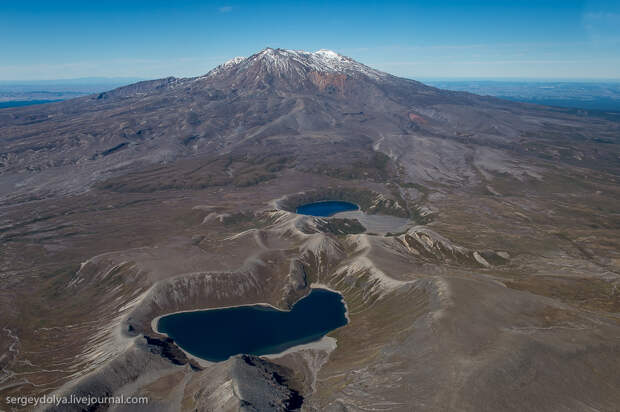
481,273
290,102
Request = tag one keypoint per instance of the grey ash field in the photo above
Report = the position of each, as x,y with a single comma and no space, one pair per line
177,194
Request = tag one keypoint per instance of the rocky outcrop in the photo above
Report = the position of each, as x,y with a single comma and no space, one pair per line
264,386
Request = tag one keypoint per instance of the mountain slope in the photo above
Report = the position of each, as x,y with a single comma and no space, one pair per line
490,282
275,94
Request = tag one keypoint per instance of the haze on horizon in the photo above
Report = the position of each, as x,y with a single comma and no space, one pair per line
443,39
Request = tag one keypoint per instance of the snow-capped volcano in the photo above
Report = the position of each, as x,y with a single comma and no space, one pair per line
283,62
288,72
298,71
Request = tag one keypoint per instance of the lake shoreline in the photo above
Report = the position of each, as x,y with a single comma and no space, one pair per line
319,343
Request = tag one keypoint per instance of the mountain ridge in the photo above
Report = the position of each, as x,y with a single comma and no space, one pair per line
296,66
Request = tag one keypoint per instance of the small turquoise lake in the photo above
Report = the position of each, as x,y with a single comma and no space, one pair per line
326,208
217,334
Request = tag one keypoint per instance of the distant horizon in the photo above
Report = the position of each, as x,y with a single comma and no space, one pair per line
597,94
112,79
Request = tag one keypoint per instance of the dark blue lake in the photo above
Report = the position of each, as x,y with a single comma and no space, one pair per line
217,334
326,208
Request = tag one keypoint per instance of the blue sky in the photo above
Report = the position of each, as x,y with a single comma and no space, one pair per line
419,39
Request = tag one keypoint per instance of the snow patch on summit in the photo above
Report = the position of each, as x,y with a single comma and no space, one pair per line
233,61
328,53
225,66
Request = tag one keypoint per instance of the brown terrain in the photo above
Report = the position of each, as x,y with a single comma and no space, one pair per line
500,293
